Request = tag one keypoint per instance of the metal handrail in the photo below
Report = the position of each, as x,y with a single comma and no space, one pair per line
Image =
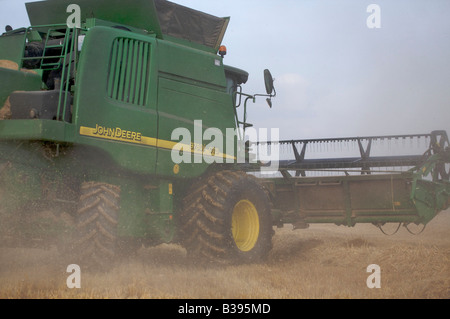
67,59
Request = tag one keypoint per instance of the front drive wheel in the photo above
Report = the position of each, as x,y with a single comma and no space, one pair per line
95,245
227,219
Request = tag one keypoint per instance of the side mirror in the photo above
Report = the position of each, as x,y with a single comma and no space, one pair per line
270,89
268,80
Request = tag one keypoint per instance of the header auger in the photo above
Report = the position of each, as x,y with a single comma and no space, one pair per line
88,115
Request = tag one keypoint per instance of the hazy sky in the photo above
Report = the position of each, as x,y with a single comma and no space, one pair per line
334,76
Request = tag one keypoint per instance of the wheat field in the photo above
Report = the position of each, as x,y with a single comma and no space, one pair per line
321,262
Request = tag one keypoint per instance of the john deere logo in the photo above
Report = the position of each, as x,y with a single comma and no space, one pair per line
117,133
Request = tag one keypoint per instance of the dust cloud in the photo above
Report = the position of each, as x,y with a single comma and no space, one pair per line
321,262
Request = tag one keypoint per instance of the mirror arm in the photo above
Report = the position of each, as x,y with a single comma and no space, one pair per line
265,95
236,93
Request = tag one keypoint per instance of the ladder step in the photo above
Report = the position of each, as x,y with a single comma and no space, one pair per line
54,46
50,64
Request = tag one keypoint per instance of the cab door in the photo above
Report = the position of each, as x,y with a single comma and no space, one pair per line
115,107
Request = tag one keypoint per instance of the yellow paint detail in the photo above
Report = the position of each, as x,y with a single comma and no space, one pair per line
118,134
170,189
176,169
245,225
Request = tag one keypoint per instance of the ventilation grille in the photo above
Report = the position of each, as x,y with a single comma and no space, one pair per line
129,71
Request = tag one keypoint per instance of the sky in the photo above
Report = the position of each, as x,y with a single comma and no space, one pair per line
334,76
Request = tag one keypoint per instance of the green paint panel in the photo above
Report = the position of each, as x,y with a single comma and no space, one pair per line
110,101
11,48
45,130
12,80
133,202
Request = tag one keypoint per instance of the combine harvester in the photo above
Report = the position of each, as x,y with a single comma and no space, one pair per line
88,114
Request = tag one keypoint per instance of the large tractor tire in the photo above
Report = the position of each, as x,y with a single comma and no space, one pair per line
227,220
96,242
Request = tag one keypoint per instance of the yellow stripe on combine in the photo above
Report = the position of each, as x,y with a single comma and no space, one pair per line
121,135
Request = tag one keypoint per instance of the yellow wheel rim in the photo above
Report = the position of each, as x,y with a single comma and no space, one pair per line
245,225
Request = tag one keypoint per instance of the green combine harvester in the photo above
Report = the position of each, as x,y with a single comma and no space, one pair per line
86,144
